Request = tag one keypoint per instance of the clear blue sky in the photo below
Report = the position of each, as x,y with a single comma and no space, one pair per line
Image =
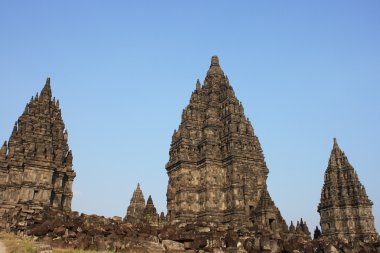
305,71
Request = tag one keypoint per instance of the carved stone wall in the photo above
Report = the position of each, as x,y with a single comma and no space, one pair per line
217,171
345,209
36,163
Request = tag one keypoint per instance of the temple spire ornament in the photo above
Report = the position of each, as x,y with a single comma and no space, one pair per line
46,91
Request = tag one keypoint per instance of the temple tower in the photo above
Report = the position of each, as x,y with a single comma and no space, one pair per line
150,212
345,209
36,163
136,207
216,169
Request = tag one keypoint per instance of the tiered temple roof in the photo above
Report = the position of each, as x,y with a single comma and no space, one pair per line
345,209
137,205
36,163
216,169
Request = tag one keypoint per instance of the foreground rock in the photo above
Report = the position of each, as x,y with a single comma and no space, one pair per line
66,229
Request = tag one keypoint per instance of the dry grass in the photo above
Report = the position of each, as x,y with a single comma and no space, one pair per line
77,251
18,244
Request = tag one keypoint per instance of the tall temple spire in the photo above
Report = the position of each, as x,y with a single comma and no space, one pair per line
216,168
345,209
150,212
137,205
38,150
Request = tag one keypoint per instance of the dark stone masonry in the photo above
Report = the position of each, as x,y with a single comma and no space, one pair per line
217,172
345,209
217,196
36,163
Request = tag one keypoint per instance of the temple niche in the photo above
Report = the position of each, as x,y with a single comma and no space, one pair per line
217,172
36,163
345,209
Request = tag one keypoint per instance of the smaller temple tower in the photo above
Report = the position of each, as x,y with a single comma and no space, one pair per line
150,212
138,211
345,209
136,207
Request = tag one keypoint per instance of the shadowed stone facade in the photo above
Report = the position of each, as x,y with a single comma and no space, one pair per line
217,172
345,209
36,163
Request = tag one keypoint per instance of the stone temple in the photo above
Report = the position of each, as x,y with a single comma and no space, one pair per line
138,212
36,163
345,209
217,196
217,171
136,207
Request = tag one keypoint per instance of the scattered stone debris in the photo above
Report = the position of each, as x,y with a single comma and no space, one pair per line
65,229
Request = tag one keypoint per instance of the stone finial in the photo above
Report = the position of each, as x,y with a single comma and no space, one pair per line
336,146
317,233
69,158
3,150
215,61
337,157
291,227
298,227
15,127
305,228
215,69
149,201
198,85
46,91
